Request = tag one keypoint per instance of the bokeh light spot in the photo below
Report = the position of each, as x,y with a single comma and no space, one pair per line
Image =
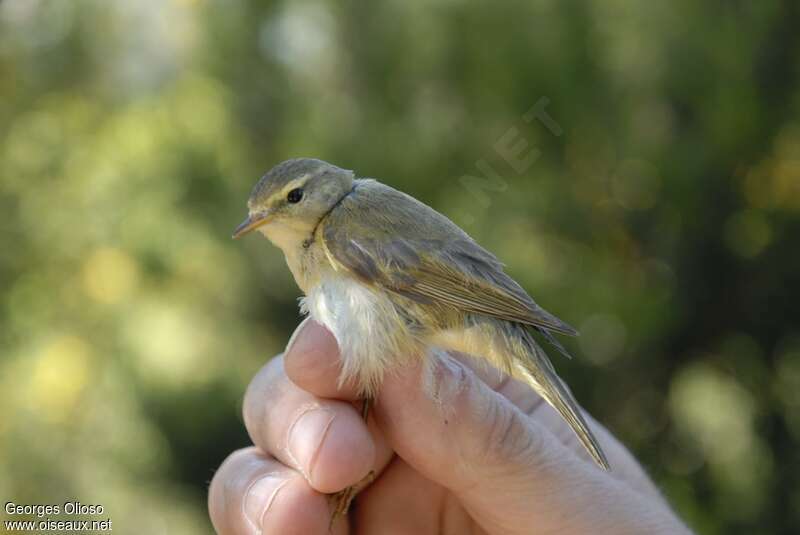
60,374
168,343
110,275
714,411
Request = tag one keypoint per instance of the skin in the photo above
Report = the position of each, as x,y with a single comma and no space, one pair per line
486,456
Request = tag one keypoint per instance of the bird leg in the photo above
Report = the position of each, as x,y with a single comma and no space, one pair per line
340,501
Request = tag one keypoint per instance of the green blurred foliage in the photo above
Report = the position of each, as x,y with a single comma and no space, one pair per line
662,221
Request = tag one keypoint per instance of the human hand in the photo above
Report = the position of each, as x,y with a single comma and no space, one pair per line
485,455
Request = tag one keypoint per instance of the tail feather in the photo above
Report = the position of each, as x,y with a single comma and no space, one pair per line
538,372
553,341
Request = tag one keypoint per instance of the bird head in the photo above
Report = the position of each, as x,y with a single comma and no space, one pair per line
293,197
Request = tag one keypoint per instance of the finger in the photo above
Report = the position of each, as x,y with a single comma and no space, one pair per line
518,393
402,489
463,419
252,493
625,467
502,465
326,440
399,490
312,362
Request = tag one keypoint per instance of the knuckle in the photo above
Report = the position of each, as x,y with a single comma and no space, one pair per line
508,440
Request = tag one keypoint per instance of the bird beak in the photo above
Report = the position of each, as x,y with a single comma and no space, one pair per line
250,224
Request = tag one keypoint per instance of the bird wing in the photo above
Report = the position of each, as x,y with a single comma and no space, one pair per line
410,249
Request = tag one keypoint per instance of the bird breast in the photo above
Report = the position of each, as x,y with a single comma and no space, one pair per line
371,333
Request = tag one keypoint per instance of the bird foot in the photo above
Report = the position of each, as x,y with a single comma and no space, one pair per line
340,501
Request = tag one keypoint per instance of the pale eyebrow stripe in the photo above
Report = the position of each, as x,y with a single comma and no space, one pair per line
296,183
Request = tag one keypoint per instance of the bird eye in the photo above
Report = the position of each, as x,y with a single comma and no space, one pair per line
295,196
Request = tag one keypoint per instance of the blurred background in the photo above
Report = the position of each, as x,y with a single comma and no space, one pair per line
657,209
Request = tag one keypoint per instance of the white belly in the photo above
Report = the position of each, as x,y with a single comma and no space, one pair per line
371,334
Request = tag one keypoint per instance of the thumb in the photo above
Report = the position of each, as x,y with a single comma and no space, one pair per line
503,466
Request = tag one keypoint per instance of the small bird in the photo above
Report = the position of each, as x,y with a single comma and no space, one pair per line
394,281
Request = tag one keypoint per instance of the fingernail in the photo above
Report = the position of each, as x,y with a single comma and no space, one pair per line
450,377
307,436
259,498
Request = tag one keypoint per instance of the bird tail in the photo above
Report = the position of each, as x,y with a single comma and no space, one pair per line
539,373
